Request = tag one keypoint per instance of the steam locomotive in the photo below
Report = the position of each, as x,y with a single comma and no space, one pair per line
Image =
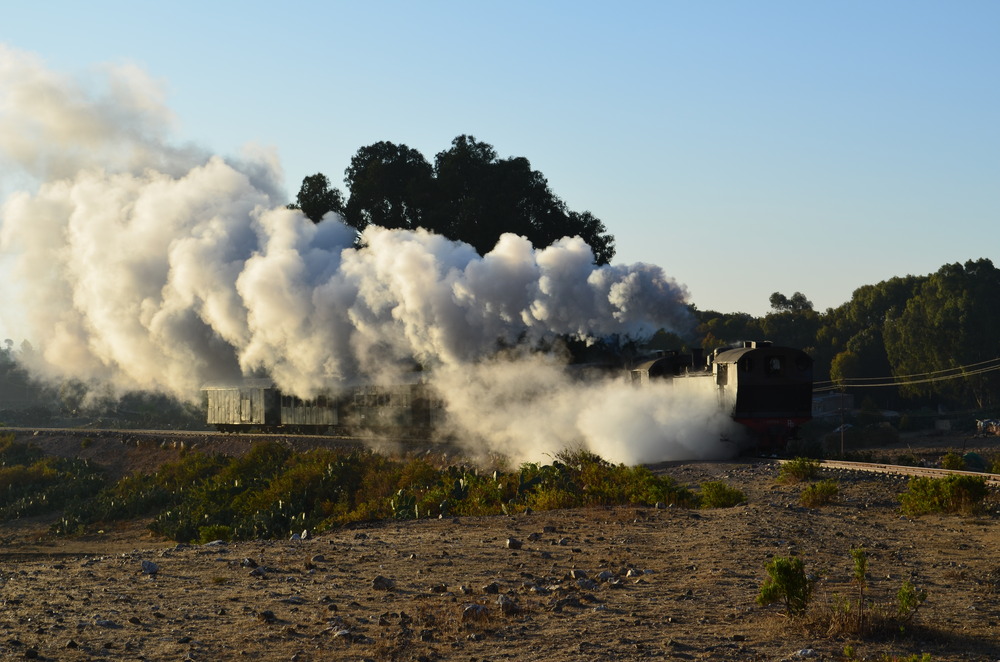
766,388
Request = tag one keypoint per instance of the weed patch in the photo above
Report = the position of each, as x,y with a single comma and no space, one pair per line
951,494
798,470
819,494
271,492
716,494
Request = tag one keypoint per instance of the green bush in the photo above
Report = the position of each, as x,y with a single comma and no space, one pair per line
214,532
787,582
951,494
271,491
952,461
819,494
715,494
798,470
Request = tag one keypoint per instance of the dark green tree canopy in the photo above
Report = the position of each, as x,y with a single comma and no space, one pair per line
390,185
316,198
798,302
468,195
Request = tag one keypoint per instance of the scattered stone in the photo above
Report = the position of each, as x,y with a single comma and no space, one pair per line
534,536
381,583
507,605
513,543
267,616
492,588
149,568
319,558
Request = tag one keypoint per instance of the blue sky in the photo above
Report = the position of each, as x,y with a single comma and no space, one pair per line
744,147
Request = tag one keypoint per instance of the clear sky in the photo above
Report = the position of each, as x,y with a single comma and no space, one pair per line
745,147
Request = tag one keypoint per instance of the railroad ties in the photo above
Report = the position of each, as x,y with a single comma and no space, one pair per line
992,480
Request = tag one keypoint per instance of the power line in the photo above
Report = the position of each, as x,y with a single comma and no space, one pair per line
921,374
907,380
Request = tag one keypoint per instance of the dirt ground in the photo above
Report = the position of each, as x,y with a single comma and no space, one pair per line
595,584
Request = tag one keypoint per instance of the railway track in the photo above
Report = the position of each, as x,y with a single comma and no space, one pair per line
992,480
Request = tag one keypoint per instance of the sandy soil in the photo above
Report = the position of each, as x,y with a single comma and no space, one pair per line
602,584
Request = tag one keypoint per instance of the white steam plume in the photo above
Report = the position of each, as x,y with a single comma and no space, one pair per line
145,266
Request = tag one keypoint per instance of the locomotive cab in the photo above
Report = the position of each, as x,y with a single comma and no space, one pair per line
768,389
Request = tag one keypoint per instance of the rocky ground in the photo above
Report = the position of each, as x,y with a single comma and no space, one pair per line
604,584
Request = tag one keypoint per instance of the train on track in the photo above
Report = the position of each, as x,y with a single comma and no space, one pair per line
766,388
257,405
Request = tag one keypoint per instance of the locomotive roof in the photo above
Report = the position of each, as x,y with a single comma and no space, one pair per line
734,354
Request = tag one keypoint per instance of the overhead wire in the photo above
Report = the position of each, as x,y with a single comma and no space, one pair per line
970,370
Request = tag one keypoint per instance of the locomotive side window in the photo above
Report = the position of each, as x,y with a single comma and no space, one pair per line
773,365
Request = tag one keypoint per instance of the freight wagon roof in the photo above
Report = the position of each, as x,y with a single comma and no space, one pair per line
405,379
256,382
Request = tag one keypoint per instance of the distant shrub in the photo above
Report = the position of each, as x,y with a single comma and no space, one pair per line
952,461
951,494
715,494
819,494
798,470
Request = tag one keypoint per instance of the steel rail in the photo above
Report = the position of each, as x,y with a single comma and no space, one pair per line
992,480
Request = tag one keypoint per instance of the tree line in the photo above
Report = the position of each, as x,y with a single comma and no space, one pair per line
914,329
468,194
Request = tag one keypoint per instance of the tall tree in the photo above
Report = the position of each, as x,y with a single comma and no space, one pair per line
479,197
390,186
951,321
316,198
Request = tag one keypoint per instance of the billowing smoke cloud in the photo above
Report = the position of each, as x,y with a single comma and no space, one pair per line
145,266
